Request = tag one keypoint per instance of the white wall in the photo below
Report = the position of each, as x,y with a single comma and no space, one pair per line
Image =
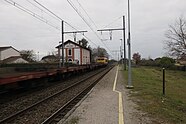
69,45
8,53
86,56
77,54
64,55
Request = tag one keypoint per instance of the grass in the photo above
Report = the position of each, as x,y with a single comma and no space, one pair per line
147,82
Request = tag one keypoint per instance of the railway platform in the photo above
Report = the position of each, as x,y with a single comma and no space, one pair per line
107,103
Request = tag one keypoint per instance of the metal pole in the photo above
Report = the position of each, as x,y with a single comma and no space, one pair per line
59,55
163,81
121,52
62,39
124,43
129,49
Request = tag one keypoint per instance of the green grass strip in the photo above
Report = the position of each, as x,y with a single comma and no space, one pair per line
147,82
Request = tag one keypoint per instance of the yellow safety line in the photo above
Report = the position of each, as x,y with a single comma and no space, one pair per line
121,118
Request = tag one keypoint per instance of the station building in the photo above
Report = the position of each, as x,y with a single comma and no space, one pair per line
74,53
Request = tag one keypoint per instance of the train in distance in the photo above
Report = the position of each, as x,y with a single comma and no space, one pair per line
102,60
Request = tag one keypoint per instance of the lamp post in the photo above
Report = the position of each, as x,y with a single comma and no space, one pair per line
129,50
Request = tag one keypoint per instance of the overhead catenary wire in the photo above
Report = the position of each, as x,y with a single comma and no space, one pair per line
113,21
41,9
88,17
110,29
54,14
61,19
31,13
40,17
87,14
43,19
48,10
73,6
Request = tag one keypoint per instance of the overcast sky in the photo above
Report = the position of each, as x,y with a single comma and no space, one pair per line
149,21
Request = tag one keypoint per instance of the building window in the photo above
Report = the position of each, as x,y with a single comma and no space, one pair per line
69,52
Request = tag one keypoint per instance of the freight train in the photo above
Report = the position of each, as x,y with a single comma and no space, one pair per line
38,78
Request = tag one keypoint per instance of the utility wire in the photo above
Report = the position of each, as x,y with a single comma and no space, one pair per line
41,9
31,13
40,17
113,22
54,14
48,10
62,19
73,6
87,14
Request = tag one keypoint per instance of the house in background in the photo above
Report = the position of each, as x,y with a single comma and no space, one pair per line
50,59
75,53
14,59
182,60
10,55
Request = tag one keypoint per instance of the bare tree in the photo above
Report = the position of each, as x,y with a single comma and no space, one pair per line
28,55
176,38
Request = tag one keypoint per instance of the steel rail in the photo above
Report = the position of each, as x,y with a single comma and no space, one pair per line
57,116
13,116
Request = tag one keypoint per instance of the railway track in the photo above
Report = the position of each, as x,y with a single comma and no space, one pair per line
60,113
8,96
38,112
18,101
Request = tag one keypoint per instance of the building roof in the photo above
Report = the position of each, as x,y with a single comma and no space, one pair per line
49,57
4,48
69,41
11,59
7,47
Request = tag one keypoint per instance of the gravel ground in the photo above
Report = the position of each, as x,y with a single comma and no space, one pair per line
101,105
